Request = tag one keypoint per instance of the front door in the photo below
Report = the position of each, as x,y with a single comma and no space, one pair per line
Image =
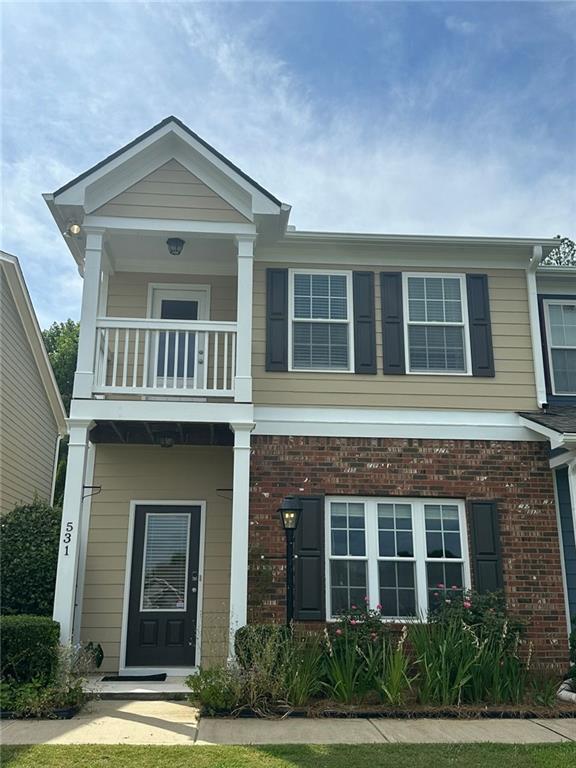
163,603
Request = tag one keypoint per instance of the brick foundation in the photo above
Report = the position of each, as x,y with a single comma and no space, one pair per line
516,474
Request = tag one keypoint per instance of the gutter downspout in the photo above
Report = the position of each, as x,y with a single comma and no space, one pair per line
537,254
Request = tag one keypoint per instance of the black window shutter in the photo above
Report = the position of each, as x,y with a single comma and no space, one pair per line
486,553
276,319
364,322
309,603
392,322
480,327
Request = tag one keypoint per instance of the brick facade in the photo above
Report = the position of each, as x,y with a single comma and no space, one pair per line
516,474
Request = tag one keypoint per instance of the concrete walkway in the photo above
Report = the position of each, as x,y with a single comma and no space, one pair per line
170,722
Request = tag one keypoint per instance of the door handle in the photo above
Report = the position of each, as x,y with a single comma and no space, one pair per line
194,576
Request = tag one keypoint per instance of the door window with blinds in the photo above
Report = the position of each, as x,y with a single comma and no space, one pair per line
398,556
561,333
436,332
320,321
165,564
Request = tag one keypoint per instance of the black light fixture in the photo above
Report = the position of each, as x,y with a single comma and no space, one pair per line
166,440
290,512
175,245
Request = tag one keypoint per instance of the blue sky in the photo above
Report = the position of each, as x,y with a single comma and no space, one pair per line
422,117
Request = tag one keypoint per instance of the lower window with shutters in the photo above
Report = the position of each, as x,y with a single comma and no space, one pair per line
397,555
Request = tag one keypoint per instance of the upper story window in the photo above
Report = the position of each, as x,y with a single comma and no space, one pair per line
561,332
401,554
320,321
436,332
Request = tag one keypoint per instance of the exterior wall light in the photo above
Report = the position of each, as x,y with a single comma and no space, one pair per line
290,512
175,245
73,229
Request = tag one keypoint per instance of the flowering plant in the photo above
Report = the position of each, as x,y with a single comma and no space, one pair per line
360,623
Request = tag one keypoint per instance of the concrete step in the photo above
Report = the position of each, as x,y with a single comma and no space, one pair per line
171,689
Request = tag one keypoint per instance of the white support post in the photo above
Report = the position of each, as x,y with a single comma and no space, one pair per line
243,378
84,377
240,527
68,554
83,542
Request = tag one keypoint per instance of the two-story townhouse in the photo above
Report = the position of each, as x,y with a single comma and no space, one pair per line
556,355
227,360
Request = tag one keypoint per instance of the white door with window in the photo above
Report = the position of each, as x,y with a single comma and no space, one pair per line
177,358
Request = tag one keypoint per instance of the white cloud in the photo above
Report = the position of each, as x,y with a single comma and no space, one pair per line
97,75
460,26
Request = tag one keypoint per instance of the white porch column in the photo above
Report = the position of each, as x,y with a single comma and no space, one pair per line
67,574
572,487
243,379
84,376
239,547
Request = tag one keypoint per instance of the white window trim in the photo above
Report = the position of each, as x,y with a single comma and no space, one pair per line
464,324
350,320
549,345
372,556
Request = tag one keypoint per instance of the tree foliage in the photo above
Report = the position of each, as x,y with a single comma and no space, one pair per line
61,341
564,255
28,558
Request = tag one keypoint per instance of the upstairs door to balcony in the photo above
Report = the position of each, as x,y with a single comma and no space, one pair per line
177,358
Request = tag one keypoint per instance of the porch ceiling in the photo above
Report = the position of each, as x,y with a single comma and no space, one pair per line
152,433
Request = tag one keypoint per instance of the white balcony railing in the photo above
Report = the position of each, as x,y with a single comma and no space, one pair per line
165,357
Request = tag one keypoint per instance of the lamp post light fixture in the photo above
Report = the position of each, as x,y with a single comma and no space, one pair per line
290,511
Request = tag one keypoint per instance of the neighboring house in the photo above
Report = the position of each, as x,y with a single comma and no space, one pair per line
556,354
32,417
227,360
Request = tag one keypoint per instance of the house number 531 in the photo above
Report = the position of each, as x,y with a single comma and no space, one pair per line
67,537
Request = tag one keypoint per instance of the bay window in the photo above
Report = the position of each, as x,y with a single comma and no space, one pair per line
398,555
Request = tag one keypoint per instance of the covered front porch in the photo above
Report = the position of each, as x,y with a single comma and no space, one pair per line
147,550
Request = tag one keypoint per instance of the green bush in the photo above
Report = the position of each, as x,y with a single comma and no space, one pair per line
217,689
28,559
29,649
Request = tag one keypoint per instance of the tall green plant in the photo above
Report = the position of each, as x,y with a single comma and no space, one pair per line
392,680
304,670
345,669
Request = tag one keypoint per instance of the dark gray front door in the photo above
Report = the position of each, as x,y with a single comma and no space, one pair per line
163,607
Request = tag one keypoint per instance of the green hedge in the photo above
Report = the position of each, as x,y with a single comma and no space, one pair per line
28,559
29,648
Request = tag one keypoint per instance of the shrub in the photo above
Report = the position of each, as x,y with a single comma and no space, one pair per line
252,639
361,623
304,669
29,648
217,689
28,559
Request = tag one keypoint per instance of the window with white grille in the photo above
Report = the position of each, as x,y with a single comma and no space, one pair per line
320,326
561,332
436,332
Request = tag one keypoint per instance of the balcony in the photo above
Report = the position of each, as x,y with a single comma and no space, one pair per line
166,358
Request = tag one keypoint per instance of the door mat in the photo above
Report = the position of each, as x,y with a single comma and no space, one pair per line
134,678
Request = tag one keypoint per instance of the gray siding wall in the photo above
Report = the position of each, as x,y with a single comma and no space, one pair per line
28,431
568,542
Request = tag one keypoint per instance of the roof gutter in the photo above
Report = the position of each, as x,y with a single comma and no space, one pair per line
537,254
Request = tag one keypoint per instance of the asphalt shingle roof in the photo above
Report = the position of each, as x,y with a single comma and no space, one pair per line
560,418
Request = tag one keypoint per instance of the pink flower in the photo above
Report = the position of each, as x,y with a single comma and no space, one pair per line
454,587
353,621
467,604
440,586
338,631
378,607
436,594
353,607
365,598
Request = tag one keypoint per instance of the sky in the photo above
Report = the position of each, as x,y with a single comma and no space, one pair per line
390,117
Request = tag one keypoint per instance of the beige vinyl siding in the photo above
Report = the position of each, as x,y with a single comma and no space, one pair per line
128,293
513,388
171,192
28,431
149,473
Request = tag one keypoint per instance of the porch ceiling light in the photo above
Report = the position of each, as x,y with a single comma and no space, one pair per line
166,441
175,245
290,510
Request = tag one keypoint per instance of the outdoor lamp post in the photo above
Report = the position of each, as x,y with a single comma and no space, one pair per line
290,511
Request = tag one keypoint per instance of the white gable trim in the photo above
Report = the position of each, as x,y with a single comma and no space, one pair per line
17,286
168,142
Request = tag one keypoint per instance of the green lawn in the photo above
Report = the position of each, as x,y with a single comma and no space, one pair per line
309,756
